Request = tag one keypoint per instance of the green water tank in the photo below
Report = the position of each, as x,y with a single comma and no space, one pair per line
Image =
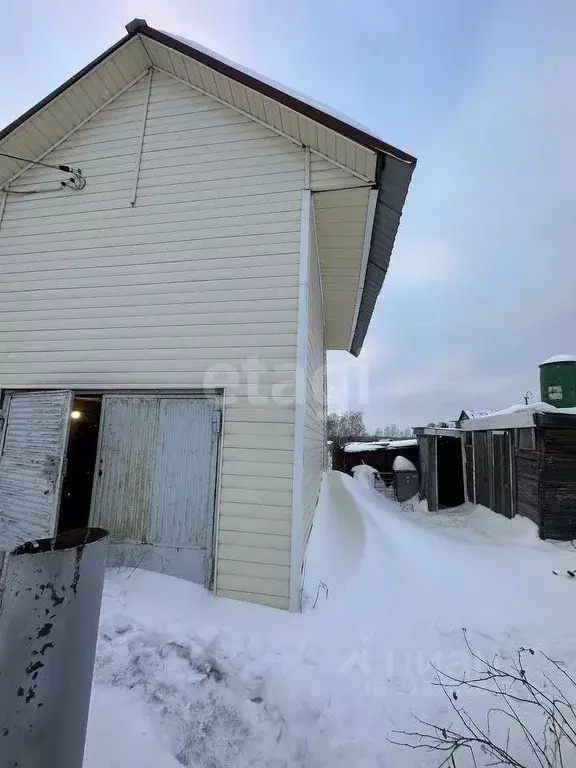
558,381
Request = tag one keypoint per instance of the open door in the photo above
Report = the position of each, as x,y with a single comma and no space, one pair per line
31,464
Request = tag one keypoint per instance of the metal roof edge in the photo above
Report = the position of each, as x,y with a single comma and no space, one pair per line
329,121
438,431
138,27
394,184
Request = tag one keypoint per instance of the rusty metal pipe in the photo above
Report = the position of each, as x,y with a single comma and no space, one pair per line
49,610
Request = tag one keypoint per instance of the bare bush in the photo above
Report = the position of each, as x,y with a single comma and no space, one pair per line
529,718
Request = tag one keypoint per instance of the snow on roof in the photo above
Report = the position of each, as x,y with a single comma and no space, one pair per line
389,445
476,414
402,464
560,359
514,417
359,447
393,444
275,84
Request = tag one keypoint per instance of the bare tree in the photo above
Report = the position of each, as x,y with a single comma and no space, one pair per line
346,425
530,719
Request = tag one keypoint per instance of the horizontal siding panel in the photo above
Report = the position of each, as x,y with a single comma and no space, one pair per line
130,316
157,234
204,331
255,525
259,442
266,429
256,483
280,345
258,570
112,285
138,357
255,205
168,193
106,199
268,469
185,250
272,602
267,511
254,455
263,555
258,540
266,586
164,367
176,262
116,377
147,298
271,414
249,496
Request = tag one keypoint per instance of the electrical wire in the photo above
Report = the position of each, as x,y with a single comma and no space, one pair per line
76,182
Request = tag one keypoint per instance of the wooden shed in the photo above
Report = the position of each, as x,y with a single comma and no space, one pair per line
379,455
523,461
181,240
441,473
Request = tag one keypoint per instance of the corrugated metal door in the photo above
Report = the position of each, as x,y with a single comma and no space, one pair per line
155,481
31,465
122,478
184,479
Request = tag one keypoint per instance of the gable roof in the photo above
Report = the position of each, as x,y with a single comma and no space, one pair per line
293,115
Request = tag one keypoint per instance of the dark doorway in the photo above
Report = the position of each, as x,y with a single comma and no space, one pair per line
80,462
450,472
502,475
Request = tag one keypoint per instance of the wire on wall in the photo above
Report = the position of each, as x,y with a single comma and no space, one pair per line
76,181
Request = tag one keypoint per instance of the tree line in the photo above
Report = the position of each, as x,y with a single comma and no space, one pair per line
350,424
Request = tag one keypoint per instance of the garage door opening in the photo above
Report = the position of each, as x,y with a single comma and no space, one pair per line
80,463
142,465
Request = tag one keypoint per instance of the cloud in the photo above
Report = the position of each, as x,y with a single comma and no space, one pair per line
481,285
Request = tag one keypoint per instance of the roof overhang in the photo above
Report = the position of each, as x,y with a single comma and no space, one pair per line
380,165
437,431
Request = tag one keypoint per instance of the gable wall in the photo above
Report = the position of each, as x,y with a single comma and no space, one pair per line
194,286
201,275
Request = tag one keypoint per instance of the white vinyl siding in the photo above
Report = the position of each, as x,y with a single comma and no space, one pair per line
341,227
315,412
195,286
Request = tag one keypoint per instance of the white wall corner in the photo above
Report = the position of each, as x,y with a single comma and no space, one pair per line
300,404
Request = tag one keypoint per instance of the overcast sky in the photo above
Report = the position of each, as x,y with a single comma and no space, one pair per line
482,284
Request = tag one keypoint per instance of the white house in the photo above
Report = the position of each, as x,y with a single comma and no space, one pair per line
181,241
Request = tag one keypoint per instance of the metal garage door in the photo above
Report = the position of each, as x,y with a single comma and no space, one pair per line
31,463
155,481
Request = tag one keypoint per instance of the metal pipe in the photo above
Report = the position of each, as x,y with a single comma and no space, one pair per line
51,596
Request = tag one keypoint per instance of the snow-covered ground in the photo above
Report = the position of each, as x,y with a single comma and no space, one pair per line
183,678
